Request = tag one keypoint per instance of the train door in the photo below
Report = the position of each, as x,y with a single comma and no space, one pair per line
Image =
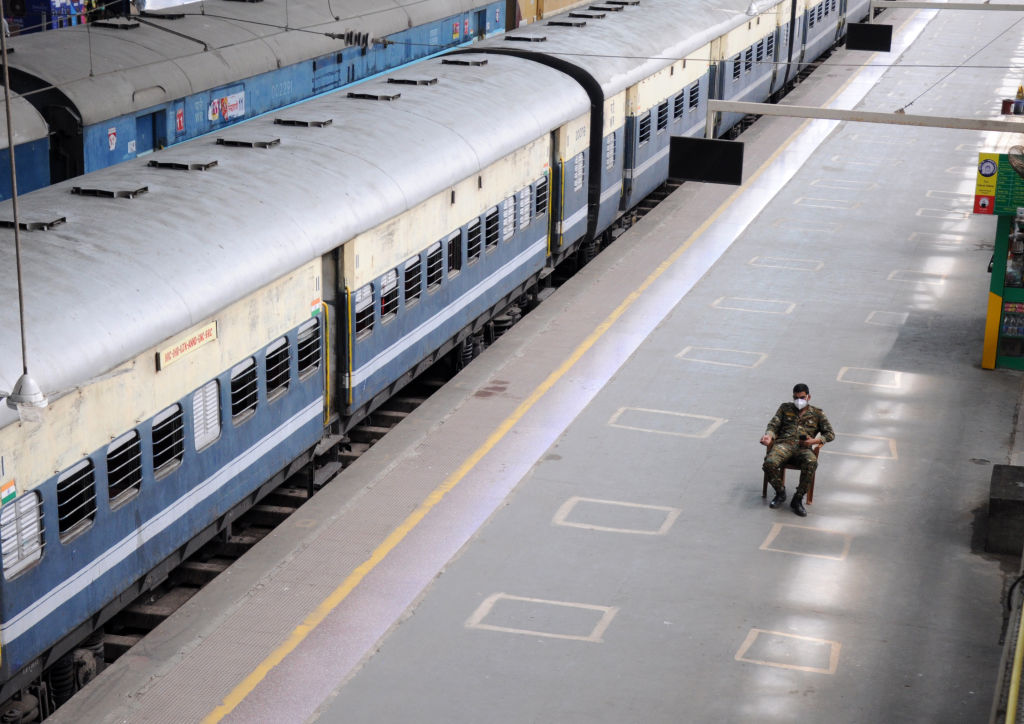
150,132
481,23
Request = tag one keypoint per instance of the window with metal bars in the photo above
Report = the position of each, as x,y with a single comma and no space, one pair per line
736,68
609,152
124,468
810,18
759,54
168,440
363,304
309,348
769,46
413,283
492,229
435,267
540,197
388,296
508,218
748,61
206,414
525,208
21,533
244,391
679,104
694,96
454,244
76,499
645,129
473,240
278,368
663,116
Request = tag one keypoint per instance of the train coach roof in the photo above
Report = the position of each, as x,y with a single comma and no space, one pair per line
609,48
108,72
28,124
123,275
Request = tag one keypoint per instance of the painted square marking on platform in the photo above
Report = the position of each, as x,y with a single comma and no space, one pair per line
802,540
615,516
976,146
540,617
838,183
789,651
916,277
869,376
862,446
937,237
778,262
721,356
946,214
827,227
963,171
887,319
864,161
664,422
746,304
826,203
967,198
889,140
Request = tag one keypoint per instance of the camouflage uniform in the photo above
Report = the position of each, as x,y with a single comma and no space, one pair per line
786,427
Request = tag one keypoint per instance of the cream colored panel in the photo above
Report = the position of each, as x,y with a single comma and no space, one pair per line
574,137
614,113
90,417
741,38
655,88
547,8
387,246
696,65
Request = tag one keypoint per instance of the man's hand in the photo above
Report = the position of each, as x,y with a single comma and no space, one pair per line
812,442
766,439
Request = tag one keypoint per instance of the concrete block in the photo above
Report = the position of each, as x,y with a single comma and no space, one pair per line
1006,510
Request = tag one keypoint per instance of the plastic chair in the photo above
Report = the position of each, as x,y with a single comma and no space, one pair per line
791,466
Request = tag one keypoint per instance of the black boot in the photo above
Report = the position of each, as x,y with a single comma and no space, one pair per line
797,504
779,499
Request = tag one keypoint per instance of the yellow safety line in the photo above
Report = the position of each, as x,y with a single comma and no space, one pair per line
298,635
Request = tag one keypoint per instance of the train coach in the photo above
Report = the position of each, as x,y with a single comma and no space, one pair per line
209,319
118,88
31,139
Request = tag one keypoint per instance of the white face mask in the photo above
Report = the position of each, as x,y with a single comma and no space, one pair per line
800,403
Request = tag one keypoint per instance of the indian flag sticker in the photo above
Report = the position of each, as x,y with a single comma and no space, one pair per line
8,492
315,307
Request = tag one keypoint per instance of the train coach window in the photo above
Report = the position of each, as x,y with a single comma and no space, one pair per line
168,440
244,390
435,267
609,152
389,295
679,104
769,46
473,240
663,116
413,284
76,499
759,55
124,468
748,60
736,68
525,208
454,244
491,230
21,533
508,217
364,310
540,199
810,18
206,414
278,368
309,347
694,96
645,129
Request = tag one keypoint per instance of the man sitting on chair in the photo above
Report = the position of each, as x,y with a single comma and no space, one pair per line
795,430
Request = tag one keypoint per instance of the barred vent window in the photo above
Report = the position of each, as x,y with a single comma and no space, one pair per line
473,240
413,284
21,533
491,229
454,244
748,59
278,368
508,218
736,68
206,413
244,390
124,468
168,440
525,208
609,152
645,129
309,348
540,199
694,96
663,116
810,18
769,46
389,296
364,310
76,499
821,11
679,104
435,268
759,55
578,172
